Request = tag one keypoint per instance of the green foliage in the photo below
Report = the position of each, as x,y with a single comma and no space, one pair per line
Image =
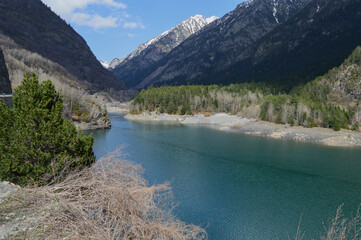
355,127
37,145
305,105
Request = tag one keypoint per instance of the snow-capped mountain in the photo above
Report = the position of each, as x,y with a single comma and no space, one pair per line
105,64
218,45
156,48
279,41
173,37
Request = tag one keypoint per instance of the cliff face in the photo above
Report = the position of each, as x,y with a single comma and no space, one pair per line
5,85
32,35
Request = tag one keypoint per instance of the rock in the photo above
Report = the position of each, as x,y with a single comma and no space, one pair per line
6,189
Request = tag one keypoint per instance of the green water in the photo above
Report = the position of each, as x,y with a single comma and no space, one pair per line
241,187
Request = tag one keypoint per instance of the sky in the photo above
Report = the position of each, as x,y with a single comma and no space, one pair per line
114,28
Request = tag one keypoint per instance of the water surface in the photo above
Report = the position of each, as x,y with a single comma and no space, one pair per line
237,186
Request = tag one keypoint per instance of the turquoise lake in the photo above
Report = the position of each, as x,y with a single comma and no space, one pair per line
237,186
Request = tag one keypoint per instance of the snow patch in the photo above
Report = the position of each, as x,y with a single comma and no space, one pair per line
275,4
105,64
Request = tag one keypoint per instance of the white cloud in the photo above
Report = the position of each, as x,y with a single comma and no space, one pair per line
75,11
66,7
94,21
132,25
131,35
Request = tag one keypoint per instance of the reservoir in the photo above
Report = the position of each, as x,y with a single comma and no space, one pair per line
237,186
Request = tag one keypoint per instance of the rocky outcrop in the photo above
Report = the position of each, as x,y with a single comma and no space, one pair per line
86,113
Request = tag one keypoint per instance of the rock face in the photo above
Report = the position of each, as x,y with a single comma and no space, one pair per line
32,34
5,85
155,49
280,41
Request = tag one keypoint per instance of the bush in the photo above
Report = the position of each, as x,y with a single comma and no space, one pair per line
37,145
355,126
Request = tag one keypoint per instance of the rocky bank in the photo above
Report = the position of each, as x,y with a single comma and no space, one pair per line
237,124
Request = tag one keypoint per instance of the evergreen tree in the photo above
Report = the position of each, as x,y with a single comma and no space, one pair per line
37,144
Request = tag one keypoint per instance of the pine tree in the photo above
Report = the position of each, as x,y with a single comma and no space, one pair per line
37,143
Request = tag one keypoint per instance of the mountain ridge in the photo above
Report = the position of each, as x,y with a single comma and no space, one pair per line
30,28
156,48
217,45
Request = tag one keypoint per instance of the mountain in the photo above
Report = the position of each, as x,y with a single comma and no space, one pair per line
5,85
34,38
105,64
155,49
315,40
285,42
217,45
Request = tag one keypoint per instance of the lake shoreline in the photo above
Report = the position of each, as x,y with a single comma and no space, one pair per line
254,127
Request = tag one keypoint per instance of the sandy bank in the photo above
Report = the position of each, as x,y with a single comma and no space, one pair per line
237,124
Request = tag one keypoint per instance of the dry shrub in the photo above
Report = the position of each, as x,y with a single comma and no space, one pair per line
207,114
110,200
338,228
341,228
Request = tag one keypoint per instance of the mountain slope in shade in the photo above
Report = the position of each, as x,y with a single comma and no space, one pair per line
35,38
155,49
218,45
316,39
5,85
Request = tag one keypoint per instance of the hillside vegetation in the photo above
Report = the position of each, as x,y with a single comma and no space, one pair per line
37,144
330,101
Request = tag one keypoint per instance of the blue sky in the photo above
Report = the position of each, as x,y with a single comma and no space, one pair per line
114,28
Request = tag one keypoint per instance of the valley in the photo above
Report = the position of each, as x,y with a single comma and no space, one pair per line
242,126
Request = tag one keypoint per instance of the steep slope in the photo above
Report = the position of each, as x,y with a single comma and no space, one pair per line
218,45
345,82
155,49
5,85
318,38
32,35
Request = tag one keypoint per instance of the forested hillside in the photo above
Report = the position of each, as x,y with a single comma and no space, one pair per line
330,101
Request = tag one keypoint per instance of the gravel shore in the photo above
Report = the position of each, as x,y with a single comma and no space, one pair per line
237,124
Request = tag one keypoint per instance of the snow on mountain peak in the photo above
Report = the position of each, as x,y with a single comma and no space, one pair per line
105,64
187,27
211,19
